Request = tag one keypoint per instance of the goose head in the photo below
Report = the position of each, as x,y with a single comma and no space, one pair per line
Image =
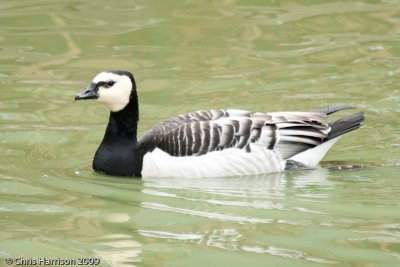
115,89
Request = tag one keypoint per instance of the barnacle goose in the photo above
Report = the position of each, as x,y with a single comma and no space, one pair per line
208,143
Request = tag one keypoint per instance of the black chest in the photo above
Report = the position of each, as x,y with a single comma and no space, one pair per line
119,159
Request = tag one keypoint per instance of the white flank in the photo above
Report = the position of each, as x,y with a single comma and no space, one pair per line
228,162
311,157
117,96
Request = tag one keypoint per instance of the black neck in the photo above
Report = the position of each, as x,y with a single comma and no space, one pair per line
118,153
123,124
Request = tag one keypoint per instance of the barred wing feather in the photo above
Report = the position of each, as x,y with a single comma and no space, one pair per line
198,133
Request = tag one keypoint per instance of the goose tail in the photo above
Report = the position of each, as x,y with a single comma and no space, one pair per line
311,157
345,125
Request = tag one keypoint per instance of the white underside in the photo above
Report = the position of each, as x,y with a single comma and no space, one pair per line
311,157
228,162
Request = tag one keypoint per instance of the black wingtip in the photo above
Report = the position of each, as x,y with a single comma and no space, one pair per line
332,109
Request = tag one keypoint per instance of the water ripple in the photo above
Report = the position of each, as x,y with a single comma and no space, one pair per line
205,214
287,253
169,235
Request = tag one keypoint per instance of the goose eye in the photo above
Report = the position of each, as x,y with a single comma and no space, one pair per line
109,83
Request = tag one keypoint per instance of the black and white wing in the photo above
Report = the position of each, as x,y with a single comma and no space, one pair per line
201,132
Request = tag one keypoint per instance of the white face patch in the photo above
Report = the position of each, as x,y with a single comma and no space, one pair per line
117,96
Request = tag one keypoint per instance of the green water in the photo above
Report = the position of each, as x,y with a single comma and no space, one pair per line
189,55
